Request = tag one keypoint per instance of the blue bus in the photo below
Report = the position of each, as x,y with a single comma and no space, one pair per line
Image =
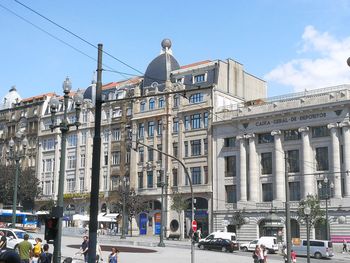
24,220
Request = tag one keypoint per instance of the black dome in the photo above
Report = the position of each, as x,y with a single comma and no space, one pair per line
156,70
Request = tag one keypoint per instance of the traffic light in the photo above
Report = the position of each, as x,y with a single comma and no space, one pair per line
51,229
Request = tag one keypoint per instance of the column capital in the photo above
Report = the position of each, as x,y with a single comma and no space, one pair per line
276,132
304,129
344,124
332,125
250,135
241,137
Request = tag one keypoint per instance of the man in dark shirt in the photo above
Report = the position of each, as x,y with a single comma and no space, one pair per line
3,241
84,248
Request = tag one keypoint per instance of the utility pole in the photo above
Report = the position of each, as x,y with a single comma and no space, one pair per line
286,184
96,153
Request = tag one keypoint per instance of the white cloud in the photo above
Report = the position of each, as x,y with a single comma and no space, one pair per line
323,63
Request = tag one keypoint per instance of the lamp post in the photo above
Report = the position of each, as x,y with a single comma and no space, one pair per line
64,126
17,151
328,188
123,186
162,184
307,212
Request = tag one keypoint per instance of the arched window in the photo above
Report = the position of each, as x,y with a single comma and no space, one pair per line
142,106
151,104
161,103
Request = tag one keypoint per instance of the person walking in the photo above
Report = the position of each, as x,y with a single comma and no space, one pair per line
264,250
293,256
3,242
45,256
256,254
25,249
113,257
84,248
345,246
37,250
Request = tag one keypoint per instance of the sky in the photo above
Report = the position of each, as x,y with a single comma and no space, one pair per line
293,45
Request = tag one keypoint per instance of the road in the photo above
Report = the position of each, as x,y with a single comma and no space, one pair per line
174,252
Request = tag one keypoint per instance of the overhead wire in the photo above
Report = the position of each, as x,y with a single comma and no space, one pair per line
105,52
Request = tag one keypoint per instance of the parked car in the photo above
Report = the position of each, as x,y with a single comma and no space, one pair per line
220,234
218,244
15,236
269,242
318,248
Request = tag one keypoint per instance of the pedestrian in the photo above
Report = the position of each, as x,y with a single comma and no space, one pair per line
113,257
9,257
345,246
256,254
261,254
98,252
264,250
3,242
25,249
284,251
199,233
293,256
84,248
45,256
37,250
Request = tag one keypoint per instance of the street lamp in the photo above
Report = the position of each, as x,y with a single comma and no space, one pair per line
17,151
328,188
64,126
162,184
307,212
123,187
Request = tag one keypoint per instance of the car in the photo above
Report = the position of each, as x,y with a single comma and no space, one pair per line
318,248
249,246
15,236
268,241
221,244
221,234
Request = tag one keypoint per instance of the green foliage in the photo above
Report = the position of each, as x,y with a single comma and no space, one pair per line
316,214
180,203
28,186
238,219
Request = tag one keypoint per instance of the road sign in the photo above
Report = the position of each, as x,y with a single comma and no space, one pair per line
194,225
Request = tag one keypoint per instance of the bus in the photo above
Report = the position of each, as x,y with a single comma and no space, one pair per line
24,220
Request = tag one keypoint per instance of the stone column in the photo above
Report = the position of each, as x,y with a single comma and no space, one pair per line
346,153
335,159
242,168
278,165
253,169
307,170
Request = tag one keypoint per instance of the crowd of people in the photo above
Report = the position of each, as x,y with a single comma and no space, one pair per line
39,253
27,253
260,254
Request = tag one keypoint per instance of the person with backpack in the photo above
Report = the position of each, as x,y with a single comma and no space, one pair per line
45,256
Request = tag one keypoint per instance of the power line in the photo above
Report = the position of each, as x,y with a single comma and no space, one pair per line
76,35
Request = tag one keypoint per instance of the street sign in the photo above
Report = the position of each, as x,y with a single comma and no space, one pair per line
194,225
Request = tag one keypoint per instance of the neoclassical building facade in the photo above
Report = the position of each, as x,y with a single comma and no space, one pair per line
304,136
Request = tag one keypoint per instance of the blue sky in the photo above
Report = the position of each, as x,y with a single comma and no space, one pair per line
294,45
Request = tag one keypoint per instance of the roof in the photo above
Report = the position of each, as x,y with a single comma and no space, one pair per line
195,64
41,96
110,85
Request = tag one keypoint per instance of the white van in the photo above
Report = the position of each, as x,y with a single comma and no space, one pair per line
318,248
269,242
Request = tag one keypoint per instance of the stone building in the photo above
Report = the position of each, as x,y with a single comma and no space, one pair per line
310,131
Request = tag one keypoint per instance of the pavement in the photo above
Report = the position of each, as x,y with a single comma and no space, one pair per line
174,251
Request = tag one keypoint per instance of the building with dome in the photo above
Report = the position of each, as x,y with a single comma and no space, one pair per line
171,110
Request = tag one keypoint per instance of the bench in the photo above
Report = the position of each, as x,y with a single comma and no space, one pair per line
340,238
174,236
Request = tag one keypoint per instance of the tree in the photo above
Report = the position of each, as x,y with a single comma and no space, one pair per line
179,204
134,203
316,214
238,220
28,186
